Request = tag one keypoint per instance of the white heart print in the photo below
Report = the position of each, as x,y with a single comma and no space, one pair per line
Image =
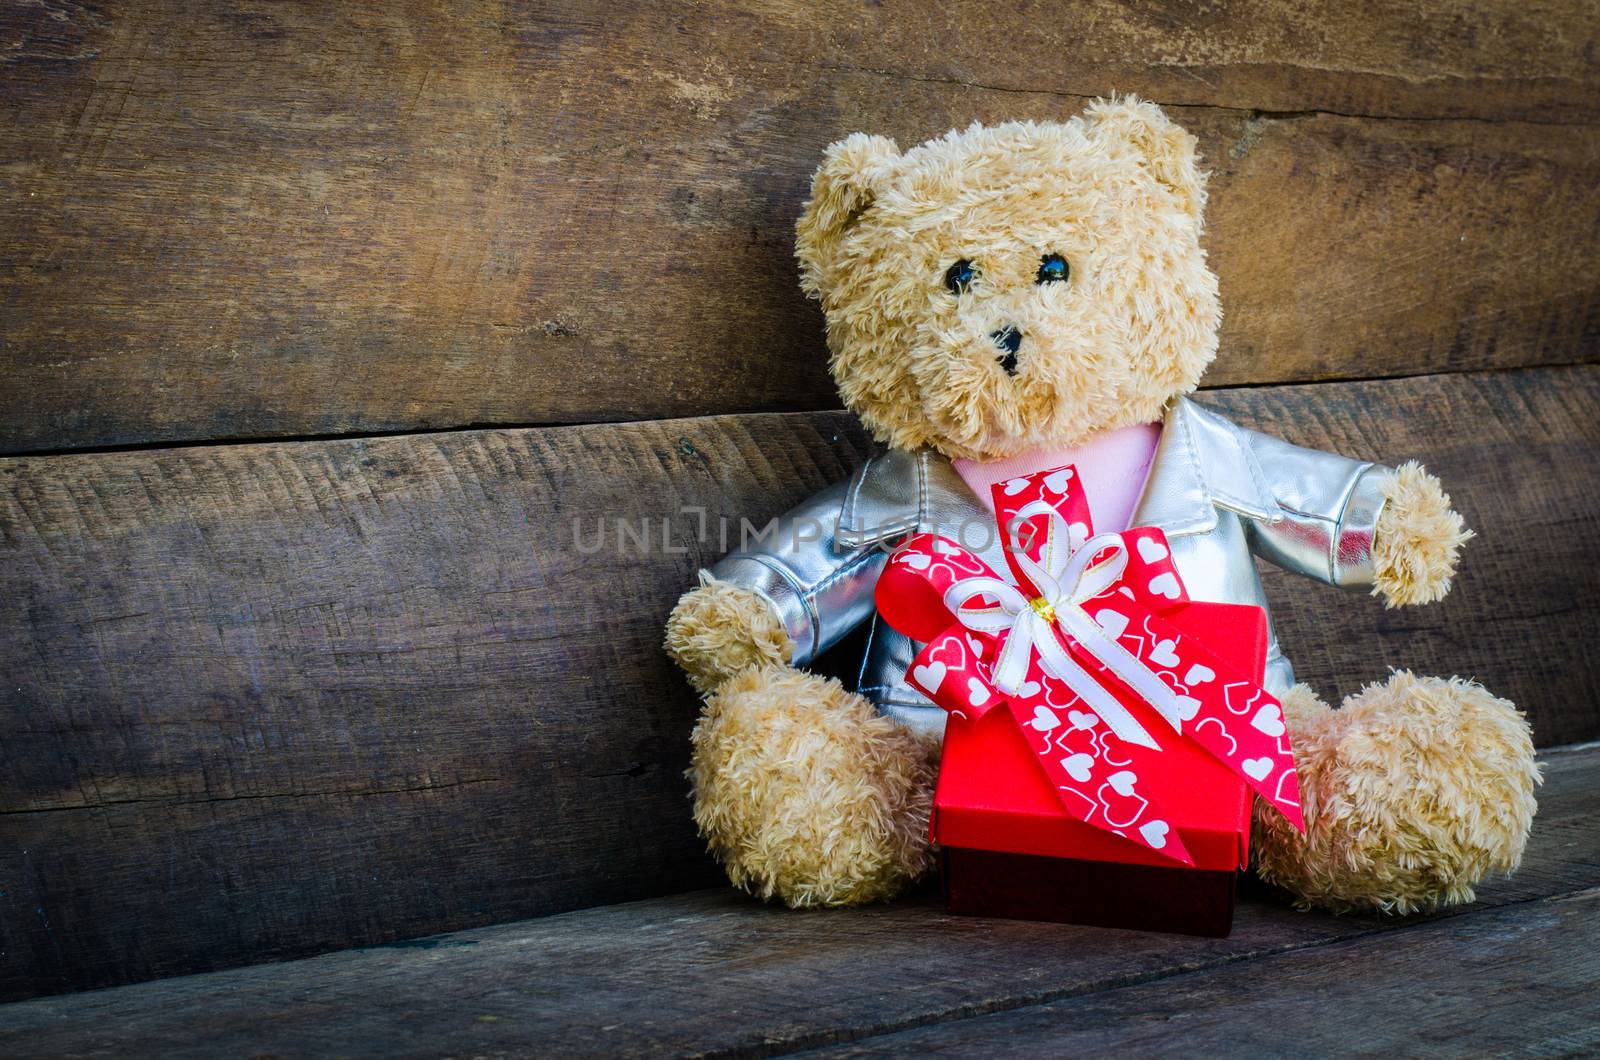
1078,766
1077,534
1015,486
1151,550
1122,781
976,645
1057,480
1165,585
1258,768
1113,622
930,676
1083,720
1044,719
1188,707
1199,675
1269,719
916,560
977,692
1155,833
1164,655
1028,689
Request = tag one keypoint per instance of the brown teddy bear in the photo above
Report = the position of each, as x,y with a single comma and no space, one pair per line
1007,299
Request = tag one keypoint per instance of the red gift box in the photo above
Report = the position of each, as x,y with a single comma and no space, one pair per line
1107,734
1010,849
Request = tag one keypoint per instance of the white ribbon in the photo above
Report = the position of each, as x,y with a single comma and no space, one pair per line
1064,580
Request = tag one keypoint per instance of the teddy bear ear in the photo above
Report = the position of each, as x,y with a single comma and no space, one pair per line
854,172
1167,150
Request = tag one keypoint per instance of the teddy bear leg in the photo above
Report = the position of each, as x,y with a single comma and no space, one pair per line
806,793
1413,791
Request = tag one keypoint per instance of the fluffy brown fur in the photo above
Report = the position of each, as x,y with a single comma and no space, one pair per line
1413,792
719,629
806,793
1116,192
1418,540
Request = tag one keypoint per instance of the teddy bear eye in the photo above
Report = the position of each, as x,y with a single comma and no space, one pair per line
1053,269
959,276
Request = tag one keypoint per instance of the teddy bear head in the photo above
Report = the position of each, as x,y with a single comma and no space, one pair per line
1016,286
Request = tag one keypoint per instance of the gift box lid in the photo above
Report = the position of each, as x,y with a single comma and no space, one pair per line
993,795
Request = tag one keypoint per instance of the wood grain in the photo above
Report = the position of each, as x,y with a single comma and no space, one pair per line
305,220
261,701
1518,981
711,973
268,700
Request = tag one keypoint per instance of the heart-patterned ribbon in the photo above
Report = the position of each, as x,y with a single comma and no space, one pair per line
1080,619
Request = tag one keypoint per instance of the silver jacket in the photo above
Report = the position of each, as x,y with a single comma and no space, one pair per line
1222,493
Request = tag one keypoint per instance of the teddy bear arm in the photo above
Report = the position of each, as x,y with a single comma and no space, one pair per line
1317,513
1355,524
787,594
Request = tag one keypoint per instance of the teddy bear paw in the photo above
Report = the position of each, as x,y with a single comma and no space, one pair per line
1413,792
1418,539
808,794
720,628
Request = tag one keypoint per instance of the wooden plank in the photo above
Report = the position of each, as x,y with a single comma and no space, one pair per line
272,220
1519,981
265,700
271,700
711,973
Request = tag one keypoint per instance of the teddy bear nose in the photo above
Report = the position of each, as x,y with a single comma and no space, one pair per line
1009,339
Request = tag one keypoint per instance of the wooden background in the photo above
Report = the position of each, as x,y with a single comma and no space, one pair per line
272,685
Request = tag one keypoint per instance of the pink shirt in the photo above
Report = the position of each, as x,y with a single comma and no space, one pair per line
1112,467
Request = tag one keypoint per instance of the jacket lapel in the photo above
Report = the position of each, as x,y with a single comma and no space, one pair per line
1200,463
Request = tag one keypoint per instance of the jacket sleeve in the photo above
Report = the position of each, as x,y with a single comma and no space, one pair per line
1324,510
815,565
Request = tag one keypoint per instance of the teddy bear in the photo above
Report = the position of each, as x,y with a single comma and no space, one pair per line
1028,295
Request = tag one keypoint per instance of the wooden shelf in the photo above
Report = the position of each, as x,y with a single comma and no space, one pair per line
712,972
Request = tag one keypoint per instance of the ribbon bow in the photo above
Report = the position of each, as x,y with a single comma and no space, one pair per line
1063,583
1080,622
